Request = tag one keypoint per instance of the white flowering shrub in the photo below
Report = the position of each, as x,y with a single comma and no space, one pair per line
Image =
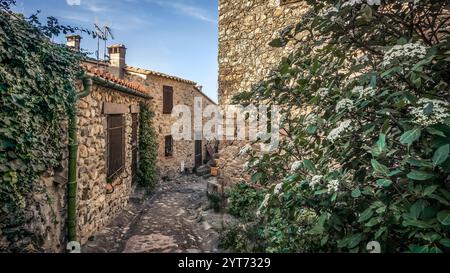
369,160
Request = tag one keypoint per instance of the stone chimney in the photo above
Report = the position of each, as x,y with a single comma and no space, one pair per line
74,42
117,55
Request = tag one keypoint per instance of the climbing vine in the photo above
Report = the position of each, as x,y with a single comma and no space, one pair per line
147,148
37,85
366,132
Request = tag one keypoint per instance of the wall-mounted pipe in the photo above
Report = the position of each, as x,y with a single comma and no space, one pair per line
73,154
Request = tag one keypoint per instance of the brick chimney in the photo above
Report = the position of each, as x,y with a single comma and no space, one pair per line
117,55
74,42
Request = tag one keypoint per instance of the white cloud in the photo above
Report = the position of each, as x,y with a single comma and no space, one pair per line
186,9
73,2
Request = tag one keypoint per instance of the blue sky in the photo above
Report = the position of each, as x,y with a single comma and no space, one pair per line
177,37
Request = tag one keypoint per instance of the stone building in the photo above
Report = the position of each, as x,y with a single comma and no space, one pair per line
107,132
107,153
245,58
174,156
167,91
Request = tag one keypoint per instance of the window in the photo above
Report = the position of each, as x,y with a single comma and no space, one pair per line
168,150
115,146
167,99
285,2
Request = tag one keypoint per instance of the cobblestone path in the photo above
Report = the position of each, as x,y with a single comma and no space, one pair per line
175,218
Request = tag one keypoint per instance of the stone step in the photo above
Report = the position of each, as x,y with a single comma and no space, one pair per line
213,187
203,170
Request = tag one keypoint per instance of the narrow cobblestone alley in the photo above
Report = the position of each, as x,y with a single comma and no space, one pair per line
175,218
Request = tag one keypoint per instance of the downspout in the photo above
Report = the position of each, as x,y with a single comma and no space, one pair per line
74,245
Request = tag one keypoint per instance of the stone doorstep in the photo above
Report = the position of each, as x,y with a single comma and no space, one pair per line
213,186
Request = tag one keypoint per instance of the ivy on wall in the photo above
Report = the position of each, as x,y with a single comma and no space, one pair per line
147,148
37,84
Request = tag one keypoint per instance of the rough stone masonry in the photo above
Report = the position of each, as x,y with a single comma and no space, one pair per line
245,58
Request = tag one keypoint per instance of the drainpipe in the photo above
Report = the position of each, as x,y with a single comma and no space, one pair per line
74,245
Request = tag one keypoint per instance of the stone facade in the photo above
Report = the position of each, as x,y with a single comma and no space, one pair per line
245,57
184,94
96,206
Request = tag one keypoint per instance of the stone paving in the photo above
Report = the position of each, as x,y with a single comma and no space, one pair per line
175,218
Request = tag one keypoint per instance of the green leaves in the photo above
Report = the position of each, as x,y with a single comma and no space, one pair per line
148,148
445,242
351,241
379,169
309,165
411,136
366,215
441,155
380,146
391,161
278,42
444,217
384,182
420,175
356,193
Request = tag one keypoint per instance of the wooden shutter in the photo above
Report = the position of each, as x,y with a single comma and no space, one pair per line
167,99
168,149
116,145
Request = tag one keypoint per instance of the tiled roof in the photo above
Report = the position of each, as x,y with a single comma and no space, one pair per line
159,74
112,78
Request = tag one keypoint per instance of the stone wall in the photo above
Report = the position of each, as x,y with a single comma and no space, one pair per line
95,207
183,150
245,58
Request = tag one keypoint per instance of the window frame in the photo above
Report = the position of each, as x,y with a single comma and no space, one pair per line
113,174
167,99
168,150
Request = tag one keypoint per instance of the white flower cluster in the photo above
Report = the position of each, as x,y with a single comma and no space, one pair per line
277,189
311,119
329,12
344,104
352,3
296,166
411,50
362,60
263,205
248,165
245,150
333,186
315,180
344,126
430,112
323,92
362,92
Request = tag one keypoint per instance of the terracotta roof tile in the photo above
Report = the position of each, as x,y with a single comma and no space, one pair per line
110,77
159,74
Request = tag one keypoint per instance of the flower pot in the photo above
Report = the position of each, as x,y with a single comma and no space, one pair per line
214,171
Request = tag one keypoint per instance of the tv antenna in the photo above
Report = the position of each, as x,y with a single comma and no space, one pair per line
104,33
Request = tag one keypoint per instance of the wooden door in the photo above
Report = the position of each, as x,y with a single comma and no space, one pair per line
198,153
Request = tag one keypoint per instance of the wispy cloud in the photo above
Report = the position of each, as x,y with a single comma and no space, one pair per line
93,6
80,18
73,2
187,9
